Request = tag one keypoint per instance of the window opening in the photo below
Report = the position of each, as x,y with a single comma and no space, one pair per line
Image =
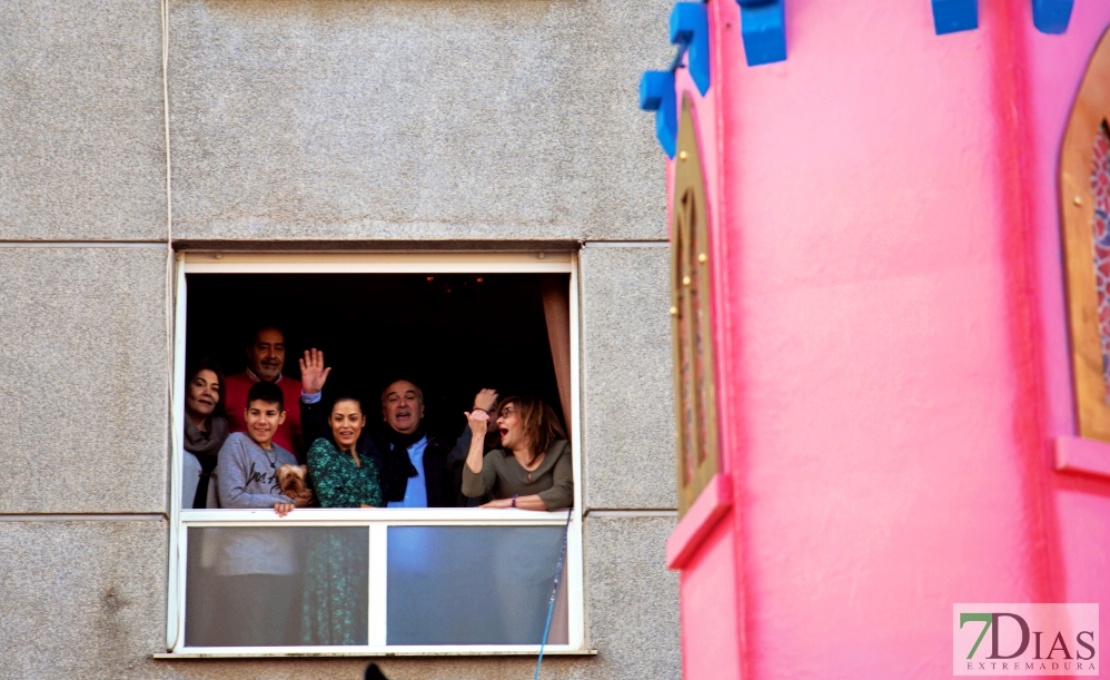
448,333
403,573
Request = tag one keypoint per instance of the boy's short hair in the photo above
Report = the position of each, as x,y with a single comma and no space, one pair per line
267,392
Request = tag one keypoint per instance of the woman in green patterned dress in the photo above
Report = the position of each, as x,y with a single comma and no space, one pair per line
335,611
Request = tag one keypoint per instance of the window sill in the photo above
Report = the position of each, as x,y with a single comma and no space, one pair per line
1082,456
713,503
188,656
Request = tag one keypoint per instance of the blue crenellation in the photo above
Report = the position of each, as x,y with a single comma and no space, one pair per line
657,94
1052,16
763,31
690,29
952,16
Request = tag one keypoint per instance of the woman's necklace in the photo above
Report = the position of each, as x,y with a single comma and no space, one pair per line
532,465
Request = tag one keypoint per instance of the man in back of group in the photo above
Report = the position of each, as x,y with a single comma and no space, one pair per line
417,470
265,361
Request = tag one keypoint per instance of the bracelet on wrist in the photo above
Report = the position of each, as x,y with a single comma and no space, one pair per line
514,500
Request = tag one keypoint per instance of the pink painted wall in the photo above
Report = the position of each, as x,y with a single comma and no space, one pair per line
1079,507
892,348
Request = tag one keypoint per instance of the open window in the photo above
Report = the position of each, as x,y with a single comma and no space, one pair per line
438,580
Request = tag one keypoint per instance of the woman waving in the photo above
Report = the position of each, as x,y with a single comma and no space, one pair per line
532,469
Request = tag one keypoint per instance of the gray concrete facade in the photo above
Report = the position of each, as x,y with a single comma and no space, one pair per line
83,154
427,124
410,120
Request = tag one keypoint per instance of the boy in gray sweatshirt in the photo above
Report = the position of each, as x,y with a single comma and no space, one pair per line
256,573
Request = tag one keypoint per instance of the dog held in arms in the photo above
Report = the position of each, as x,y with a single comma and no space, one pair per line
291,479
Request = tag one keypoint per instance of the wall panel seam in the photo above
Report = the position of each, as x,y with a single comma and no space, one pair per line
152,245
631,513
626,244
83,517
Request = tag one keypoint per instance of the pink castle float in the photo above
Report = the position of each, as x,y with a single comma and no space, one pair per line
890,378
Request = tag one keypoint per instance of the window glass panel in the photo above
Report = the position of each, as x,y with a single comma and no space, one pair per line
472,585
250,586
1084,181
683,286
1100,234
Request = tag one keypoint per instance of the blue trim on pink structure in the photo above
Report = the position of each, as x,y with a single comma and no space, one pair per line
657,94
690,31
953,16
763,31
1052,16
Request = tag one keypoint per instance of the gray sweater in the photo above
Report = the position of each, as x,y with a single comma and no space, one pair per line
502,477
246,476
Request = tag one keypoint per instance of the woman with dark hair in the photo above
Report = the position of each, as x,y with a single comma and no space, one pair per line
338,473
335,591
205,433
532,469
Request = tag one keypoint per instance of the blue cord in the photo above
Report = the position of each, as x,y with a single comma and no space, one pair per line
554,594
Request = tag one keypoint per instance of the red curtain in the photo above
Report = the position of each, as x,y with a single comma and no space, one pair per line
556,310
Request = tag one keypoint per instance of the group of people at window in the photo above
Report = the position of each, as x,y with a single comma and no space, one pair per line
241,429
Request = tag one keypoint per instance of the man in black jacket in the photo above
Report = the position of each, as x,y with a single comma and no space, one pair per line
416,469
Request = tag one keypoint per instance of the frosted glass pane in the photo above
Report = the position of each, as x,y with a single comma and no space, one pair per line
1100,233
473,585
249,586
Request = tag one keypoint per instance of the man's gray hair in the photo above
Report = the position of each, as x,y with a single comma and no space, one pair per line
419,392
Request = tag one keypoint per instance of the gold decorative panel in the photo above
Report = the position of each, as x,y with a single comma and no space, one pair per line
694,377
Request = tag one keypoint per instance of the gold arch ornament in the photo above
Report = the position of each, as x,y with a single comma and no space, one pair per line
694,366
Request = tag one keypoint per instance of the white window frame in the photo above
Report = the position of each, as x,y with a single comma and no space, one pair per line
378,522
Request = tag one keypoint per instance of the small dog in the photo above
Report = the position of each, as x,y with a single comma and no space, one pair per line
291,479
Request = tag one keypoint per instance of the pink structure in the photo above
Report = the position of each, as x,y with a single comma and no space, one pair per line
893,385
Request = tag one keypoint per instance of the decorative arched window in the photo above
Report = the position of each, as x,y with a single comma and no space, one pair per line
1085,205
695,394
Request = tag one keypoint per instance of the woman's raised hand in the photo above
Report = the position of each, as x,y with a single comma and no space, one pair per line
478,419
313,372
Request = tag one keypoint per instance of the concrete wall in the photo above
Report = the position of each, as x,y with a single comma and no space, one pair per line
460,124
1076,505
413,120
